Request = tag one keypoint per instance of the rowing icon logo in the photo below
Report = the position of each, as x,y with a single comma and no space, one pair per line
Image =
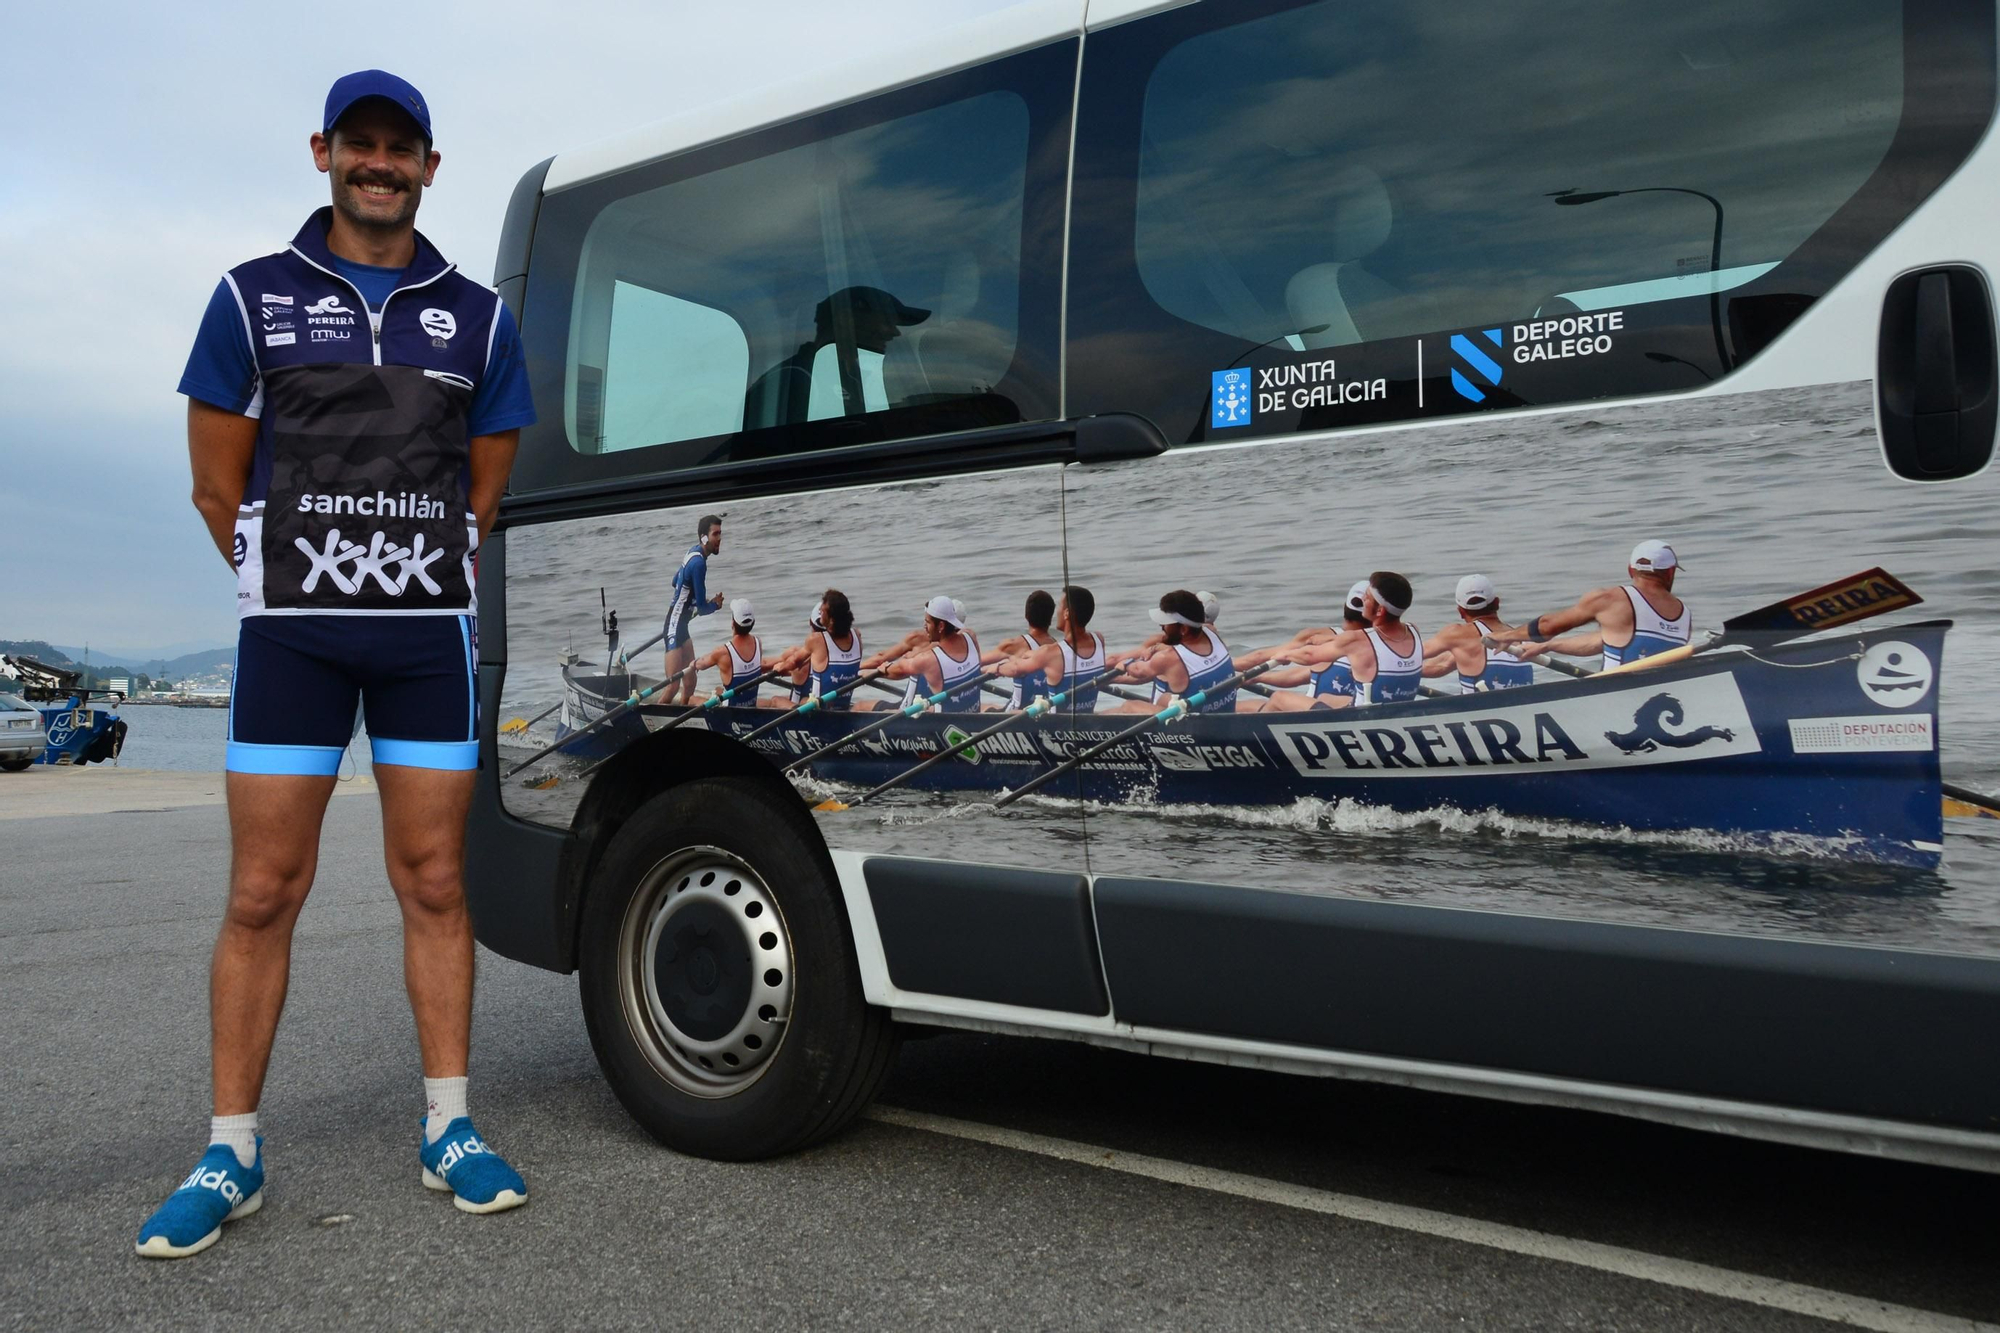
1469,355
1894,674
1649,728
1229,398
439,324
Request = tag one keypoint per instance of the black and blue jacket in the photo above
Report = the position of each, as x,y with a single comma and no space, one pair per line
358,499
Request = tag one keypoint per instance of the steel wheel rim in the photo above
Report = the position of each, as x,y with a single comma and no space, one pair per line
708,1025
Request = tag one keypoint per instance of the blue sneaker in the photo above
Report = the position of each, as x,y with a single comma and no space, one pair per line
479,1179
220,1189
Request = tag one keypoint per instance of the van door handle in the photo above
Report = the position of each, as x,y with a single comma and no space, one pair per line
1116,435
1935,374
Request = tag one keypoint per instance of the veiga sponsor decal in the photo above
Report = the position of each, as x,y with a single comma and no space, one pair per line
1570,336
1702,718
1839,735
1177,755
1468,354
1306,384
1894,674
1228,398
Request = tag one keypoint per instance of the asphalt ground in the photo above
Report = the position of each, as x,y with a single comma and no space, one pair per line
105,926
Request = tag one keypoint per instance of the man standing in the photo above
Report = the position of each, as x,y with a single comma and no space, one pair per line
1634,620
353,409
690,599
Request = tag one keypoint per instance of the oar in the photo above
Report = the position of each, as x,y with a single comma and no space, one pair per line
907,710
628,654
809,705
1963,802
514,724
1173,710
694,710
1048,703
1869,593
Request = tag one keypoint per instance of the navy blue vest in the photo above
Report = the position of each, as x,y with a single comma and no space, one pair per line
358,495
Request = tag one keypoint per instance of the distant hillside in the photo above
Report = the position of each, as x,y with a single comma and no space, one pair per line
102,669
171,668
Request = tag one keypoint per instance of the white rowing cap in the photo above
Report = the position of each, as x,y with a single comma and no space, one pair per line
1357,597
1211,606
947,609
742,612
1653,557
1476,592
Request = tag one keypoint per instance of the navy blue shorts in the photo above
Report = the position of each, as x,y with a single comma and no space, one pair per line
299,680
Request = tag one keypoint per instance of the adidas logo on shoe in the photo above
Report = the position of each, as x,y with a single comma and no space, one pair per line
220,1182
455,1153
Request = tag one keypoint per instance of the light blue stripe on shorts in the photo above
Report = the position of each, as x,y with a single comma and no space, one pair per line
296,760
453,756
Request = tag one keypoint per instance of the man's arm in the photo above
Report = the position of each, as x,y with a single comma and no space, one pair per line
221,445
1319,654
492,458
1587,644
1589,607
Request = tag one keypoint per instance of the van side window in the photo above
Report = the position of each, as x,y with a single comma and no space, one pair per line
1596,199
869,273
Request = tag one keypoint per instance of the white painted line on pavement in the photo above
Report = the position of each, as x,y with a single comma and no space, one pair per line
1771,1293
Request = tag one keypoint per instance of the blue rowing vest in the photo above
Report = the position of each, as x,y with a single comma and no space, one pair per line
1651,632
1397,675
1079,672
1034,685
1336,677
1205,671
1501,670
742,671
843,665
964,698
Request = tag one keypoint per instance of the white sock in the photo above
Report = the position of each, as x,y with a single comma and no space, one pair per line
445,1099
239,1132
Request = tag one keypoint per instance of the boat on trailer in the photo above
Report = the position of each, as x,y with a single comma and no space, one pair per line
1821,747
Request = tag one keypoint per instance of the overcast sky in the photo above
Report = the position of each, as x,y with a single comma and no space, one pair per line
154,146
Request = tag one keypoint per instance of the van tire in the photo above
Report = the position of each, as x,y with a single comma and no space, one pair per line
679,974
16,765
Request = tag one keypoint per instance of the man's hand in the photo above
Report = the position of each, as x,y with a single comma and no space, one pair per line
716,601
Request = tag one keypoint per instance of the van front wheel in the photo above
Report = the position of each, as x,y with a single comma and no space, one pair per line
718,976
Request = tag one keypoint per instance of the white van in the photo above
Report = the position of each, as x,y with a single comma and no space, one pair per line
1379,541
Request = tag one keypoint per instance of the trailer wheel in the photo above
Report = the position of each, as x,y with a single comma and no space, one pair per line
718,976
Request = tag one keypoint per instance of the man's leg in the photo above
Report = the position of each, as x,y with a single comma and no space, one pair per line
423,837
680,682
274,826
291,710
423,721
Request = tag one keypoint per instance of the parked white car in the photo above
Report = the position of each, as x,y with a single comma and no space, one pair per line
23,736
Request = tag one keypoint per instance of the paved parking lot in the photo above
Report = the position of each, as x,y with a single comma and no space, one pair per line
1004,1183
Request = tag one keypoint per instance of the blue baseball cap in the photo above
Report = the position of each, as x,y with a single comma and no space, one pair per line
363,84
